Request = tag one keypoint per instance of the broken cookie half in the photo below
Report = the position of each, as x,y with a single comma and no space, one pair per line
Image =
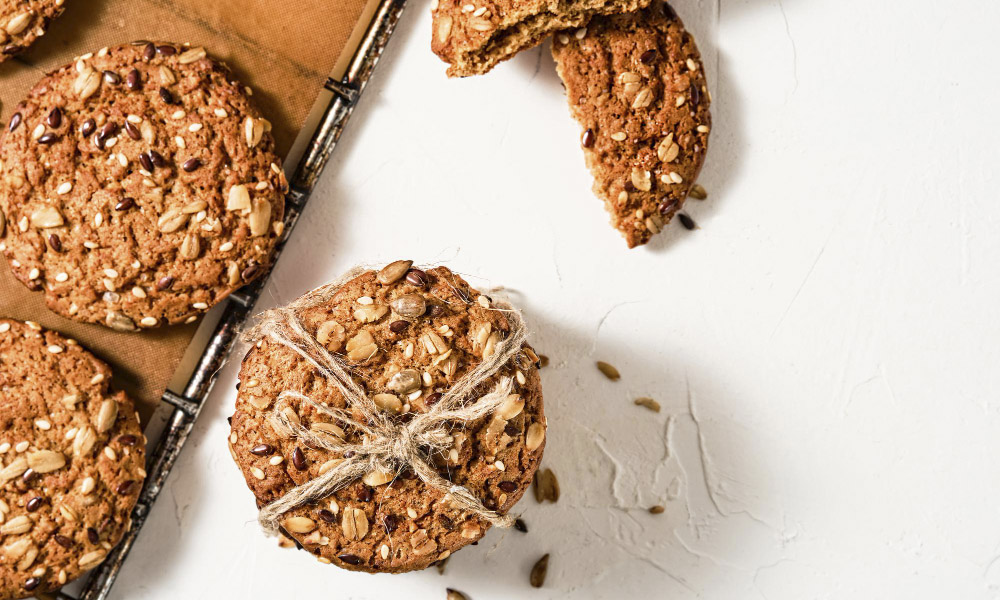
636,85
472,36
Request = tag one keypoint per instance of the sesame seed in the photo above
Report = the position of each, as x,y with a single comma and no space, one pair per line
33,274
64,188
180,142
365,300
97,378
43,424
53,349
199,306
4,327
193,127
703,129
148,321
226,247
134,119
61,277
619,136
21,446
178,114
580,33
138,292
221,113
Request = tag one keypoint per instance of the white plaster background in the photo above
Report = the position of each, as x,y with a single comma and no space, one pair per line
825,347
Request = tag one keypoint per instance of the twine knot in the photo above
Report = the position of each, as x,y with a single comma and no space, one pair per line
389,445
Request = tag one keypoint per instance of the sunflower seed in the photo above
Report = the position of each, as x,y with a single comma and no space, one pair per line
643,99
698,192
394,271
18,24
546,486
377,478
388,402
535,436
511,407
687,221
46,217
641,179
300,524
190,247
405,381
539,571
455,595
657,509
172,220
354,523
608,370
16,526
84,441
87,83
409,306
92,559
260,217
649,403
239,198
192,55
106,416
46,461
444,28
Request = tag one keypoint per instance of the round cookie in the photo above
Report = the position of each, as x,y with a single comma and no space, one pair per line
636,85
24,21
72,455
409,334
140,187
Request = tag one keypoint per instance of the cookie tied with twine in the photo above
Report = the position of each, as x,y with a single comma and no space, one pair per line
388,418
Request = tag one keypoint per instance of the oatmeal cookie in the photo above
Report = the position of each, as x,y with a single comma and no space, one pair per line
72,458
636,85
472,36
139,187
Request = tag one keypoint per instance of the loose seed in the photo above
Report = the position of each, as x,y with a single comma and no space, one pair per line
698,192
608,370
656,510
520,525
687,222
539,571
455,595
394,271
649,403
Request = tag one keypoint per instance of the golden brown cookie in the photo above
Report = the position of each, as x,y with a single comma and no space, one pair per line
407,336
140,187
636,85
472,36
72,458
24,21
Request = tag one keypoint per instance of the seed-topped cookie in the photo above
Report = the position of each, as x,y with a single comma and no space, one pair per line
636,84
72,455
474,35
24,21
140,187
387,420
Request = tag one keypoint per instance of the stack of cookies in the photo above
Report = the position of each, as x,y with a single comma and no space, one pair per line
635,83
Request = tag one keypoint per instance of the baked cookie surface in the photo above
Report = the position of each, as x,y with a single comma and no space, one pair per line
636,85
407,338
472,36
140,187
24,21
72,458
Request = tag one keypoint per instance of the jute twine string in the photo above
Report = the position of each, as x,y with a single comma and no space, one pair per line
388,446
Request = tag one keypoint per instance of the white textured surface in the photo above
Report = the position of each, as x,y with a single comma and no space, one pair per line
825,347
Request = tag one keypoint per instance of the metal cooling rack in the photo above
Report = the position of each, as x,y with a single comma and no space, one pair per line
187,405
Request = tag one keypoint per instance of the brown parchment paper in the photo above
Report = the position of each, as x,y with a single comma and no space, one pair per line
282,49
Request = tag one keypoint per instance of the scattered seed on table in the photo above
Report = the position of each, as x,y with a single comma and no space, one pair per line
687,222
455,595
656,510
697,192
543,361
520,525
539,571
609,371
649,403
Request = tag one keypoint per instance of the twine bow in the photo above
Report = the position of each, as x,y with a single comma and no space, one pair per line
388,445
